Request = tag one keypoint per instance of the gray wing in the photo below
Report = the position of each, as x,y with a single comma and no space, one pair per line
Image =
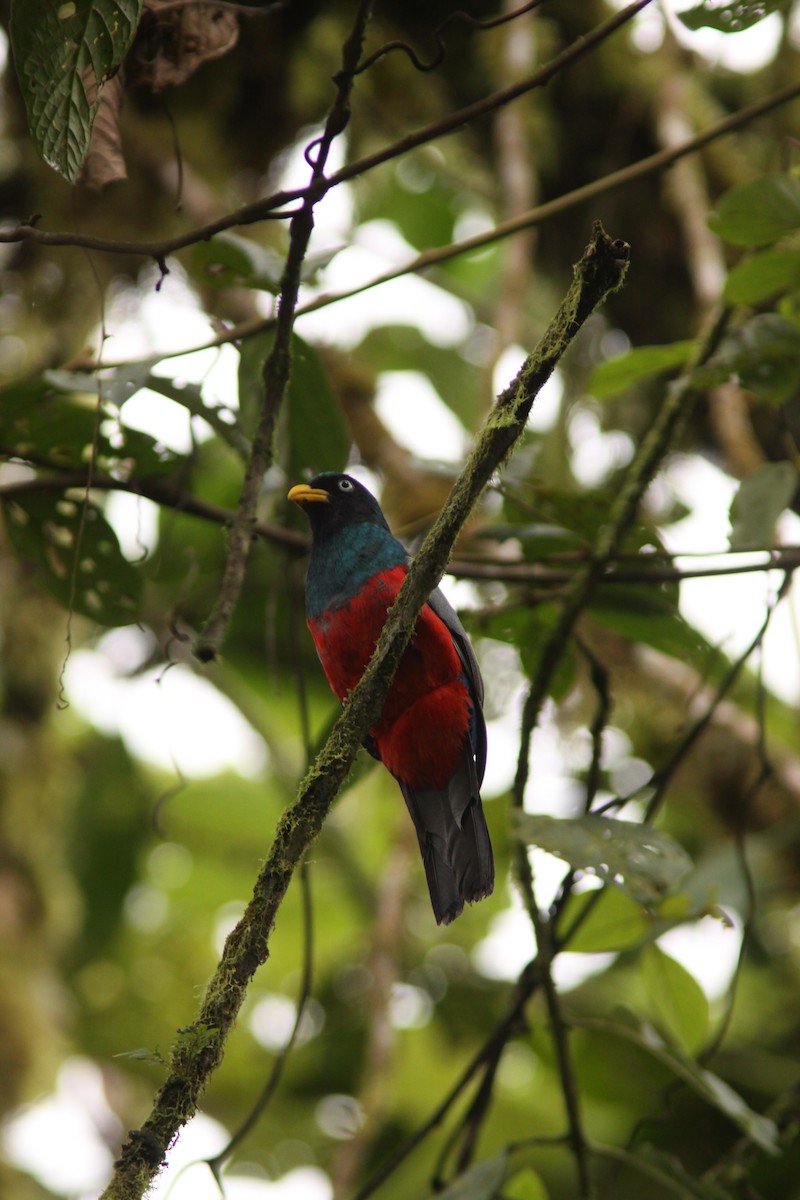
446,613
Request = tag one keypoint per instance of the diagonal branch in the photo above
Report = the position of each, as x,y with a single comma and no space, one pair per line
199,1048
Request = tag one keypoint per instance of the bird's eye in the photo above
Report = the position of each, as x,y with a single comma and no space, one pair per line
346,485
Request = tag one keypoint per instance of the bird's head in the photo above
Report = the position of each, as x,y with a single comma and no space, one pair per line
332,501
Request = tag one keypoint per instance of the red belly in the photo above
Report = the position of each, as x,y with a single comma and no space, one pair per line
425,720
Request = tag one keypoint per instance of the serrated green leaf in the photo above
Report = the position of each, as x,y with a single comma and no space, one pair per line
759,501
77,555
642,861
729,16
758,212
64,54
480,1182
763,276
612,921
676,999
617,374
229,260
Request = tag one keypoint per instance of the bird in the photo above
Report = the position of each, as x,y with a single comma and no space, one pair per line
431,733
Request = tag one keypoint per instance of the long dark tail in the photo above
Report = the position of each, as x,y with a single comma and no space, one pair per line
454,842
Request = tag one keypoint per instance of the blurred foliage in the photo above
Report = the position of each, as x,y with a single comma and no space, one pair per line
118,879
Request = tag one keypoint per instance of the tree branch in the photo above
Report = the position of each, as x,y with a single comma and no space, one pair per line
199,1048
621,568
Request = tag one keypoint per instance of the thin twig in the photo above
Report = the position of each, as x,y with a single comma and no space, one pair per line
529,981
278,363
674,412
660,779
163,491
436,34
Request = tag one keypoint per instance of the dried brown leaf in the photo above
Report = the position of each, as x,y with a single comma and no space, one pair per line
105,162
172,45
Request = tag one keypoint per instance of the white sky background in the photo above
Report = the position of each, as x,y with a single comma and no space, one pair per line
179,721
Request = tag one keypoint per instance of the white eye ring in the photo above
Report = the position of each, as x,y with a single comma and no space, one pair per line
346,485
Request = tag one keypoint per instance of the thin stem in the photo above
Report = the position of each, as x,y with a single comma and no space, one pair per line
278,363
674,412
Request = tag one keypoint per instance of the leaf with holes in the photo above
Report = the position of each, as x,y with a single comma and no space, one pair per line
729,16
42,422
642,861
77,556
64,54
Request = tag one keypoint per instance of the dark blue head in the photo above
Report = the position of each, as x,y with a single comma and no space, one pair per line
351,541
332,501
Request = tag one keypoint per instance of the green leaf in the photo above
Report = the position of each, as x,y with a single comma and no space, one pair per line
672,1169
64,53
710,1087
312,433
764,353
676,999
526,629
43,424
642,861
618,374
527,1184
613,921
403,347
229,260
50,531
729,16
480,1182
643,613
758,212
317,434
759,501
768,274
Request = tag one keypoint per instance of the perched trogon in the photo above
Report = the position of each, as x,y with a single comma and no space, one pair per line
431,733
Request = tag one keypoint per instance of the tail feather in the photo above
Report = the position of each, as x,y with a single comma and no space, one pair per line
454,841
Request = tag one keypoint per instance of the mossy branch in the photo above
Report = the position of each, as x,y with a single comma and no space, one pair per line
199,1048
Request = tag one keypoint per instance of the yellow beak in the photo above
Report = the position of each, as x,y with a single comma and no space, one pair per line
303,493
